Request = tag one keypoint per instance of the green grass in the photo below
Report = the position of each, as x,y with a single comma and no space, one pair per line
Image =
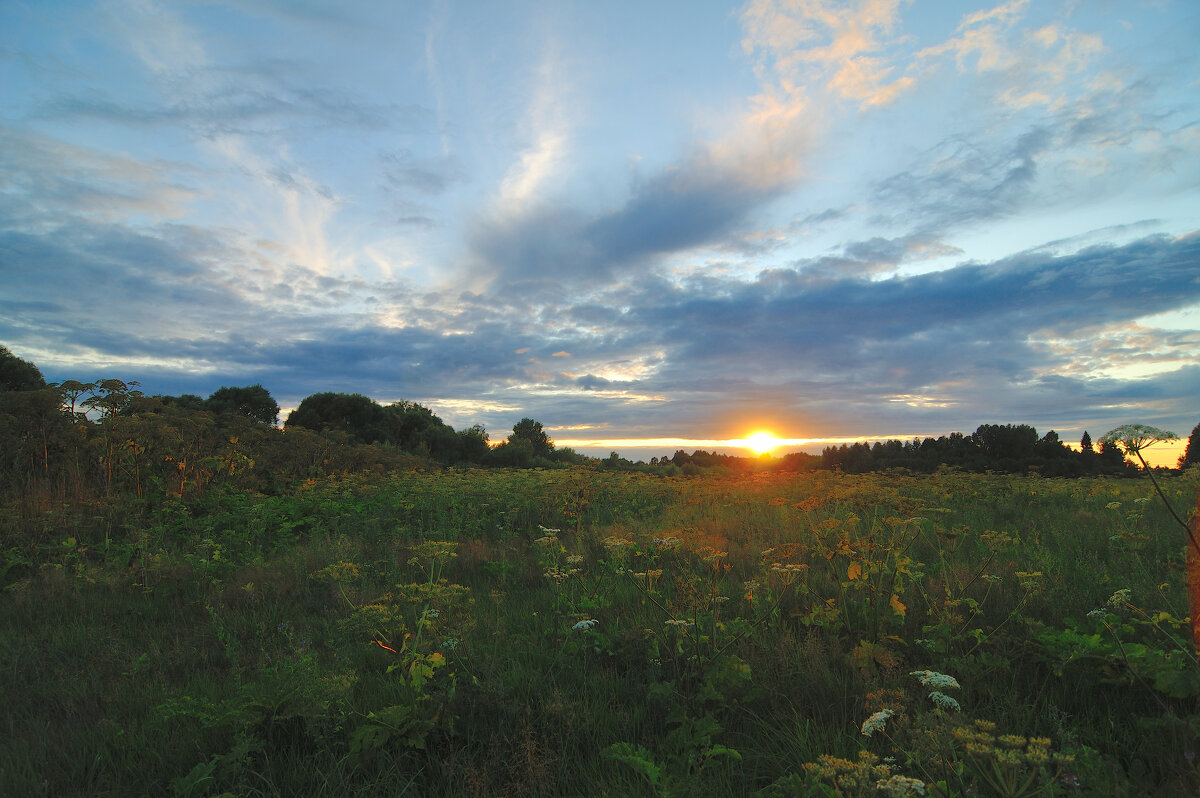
236,644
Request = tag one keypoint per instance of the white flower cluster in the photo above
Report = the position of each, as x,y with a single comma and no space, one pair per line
584,625
876,722
668,542
944,701
898,786
938,681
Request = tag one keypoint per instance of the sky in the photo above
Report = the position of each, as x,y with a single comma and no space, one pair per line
649,226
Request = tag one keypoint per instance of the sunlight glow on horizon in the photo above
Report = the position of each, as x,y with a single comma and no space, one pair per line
1164,454
760,442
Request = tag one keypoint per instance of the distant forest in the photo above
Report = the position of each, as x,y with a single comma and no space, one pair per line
106,438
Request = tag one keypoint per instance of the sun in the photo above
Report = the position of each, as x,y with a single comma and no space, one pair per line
761,441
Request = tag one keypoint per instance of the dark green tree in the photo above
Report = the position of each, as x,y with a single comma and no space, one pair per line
473,443
252,401
185,401
17,374
531,431
1191,453
1007,447
360,417
414,428
1085,443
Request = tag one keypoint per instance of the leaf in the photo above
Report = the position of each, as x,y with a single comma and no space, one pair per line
637,758
854,571
721,750
898,605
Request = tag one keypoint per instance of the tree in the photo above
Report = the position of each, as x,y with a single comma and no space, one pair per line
1008,446
359,416
185,401
17,374
414,428
473,442
1085,443
529,430
1191,454
252,401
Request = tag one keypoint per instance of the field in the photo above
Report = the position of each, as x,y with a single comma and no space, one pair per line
587,632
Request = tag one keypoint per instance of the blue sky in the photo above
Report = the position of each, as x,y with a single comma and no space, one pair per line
630,221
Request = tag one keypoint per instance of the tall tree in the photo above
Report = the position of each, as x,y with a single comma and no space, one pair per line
1191,453
529,430
473,443
359,416
17,374
252,401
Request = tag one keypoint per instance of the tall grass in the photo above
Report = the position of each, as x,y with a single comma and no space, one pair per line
582,632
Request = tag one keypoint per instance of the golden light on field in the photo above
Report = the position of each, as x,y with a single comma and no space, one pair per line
760,441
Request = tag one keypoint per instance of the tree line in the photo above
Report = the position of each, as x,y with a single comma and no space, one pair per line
1004,448
107,439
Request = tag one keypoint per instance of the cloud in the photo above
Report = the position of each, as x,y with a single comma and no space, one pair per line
1031,65
818,41
406,172
964,179
43,173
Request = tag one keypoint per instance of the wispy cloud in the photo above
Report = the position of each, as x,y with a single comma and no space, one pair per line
842,47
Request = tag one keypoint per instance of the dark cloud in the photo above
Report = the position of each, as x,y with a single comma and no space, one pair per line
676,210
701,202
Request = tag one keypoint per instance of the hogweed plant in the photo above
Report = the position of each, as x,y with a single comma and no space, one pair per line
955,756
1133,439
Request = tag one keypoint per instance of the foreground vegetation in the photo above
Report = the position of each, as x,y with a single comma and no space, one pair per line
589,632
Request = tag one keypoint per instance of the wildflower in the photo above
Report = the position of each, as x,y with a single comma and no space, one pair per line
876,722
944,701
678,624
1119,599
1097,613
546,541
584,625
667,542
558,575
1113,506
574,559
898,786
547,530
938,681
788,571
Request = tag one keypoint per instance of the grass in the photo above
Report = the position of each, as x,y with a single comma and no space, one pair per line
320,643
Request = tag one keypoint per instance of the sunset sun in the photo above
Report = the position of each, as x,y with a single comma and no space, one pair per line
761,442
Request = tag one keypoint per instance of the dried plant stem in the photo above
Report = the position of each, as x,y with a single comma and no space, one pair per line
1193,574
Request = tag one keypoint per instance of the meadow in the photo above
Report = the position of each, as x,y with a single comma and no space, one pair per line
577,631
